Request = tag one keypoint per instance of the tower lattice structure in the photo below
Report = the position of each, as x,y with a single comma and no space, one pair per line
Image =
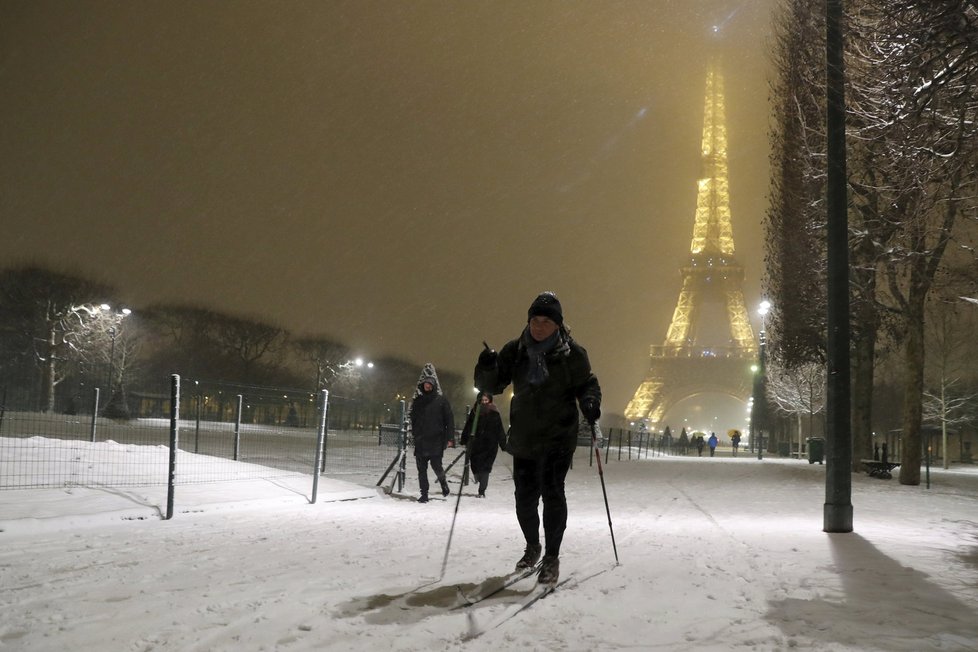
710,344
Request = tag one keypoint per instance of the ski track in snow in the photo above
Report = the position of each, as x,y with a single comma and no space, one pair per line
715,555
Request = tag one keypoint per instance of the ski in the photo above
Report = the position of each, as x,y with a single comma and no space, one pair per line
539,592
495,589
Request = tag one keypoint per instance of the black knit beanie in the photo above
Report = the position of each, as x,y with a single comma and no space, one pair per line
546,305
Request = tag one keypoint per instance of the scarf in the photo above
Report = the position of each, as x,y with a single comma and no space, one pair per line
537,351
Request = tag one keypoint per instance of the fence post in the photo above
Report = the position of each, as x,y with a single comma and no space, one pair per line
174,441
320,445
94,413
322,468
197,426
629,444
402,472
237,428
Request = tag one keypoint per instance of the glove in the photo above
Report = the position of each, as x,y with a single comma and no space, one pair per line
591,410
488,358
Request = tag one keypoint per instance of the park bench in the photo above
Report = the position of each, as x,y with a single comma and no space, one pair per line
879,469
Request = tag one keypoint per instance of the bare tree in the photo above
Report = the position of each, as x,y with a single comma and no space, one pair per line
951,342
45,313
795,221
324,355
208,344
249,343
798,392
928,114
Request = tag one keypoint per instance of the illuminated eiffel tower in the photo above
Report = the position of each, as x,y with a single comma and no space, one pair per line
710,345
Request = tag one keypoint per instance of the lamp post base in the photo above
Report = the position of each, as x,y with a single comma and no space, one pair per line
837,518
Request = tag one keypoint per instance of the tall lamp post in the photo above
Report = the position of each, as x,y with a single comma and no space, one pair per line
114,333
356,367
758,419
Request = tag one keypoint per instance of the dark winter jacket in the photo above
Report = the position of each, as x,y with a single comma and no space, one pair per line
432,424
489,437
542,417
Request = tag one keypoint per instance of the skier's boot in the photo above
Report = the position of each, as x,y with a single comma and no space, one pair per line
530,556
444,487
549,570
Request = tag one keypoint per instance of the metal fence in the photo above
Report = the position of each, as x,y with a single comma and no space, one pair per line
225,432
270,432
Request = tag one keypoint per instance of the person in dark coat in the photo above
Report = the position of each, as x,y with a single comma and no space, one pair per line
551,377
432,425
683,442
488,439
735,441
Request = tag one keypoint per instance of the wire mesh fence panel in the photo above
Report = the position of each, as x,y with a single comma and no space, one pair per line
226,432
269,432
359,456
81,447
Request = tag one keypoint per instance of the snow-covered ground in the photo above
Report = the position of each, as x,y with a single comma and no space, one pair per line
716,554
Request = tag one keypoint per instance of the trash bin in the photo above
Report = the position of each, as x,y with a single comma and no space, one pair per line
784,449
816,450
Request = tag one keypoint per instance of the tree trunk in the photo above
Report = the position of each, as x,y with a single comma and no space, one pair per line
864,333
913,394
863,370
49,371
801,436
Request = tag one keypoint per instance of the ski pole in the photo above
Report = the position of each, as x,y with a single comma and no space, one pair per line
597,454
458,499
457,457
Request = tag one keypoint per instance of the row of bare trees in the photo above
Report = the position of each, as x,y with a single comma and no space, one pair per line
912,141
61,333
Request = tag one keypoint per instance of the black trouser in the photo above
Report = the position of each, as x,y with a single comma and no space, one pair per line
482,479
423,471
542,478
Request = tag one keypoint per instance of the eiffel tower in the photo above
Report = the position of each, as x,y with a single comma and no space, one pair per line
710,345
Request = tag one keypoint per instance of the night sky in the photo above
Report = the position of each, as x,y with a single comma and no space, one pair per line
402,176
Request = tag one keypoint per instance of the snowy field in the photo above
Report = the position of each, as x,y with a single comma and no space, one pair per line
716,554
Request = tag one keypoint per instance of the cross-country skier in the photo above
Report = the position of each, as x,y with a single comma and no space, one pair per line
485,442
432,425
551,376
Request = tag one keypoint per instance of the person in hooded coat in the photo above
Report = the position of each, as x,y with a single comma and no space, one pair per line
432,425
551,377
488,439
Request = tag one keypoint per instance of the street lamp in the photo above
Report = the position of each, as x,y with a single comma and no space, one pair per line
114,331
355,367
758,404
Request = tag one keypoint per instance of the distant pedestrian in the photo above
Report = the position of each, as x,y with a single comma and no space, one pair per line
683,442
551,377
700,443
735,442
483,445
712,441
432,426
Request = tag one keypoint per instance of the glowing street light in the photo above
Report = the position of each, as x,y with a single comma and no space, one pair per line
114,331
759,370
